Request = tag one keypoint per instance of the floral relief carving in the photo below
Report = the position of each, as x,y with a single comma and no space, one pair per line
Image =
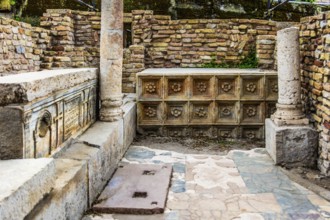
226,111
251,134
201,112
251,87
251,111
150,112
226,86
151,87
176,112
201,86
176,133
225,134
275,88
176,87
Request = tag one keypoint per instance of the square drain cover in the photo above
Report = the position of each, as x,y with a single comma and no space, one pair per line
136,189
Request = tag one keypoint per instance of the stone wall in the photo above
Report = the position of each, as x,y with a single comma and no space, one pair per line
133,63
192,43
21,46
75,38
315,71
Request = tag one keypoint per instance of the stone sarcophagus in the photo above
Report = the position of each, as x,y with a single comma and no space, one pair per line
223,103
40,112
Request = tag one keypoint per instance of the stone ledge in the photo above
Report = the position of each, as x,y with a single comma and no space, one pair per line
26,87
291,146
17,179
68,200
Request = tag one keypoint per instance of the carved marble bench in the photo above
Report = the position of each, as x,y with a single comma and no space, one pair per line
40,112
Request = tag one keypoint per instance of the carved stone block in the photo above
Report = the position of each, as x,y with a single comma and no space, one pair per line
271,88
227,112
150,88
227,132
177,113
227,87
219,103
252,112
252,132
176,88
46,121
150,113
252,88
270,109
201,112
202,87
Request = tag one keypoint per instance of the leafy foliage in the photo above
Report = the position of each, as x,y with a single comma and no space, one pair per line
249,62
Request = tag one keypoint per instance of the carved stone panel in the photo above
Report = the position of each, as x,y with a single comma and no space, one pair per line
252,88
252,112
209,102
227,132
227,87
150,113
176,88
150,88
54,114
177,131
202,87
252,133
271,88
202,131
201,112
177,113
227,112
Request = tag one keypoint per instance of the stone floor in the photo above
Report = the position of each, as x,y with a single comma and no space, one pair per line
242,185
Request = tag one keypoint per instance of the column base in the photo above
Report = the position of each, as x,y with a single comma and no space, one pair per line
286,115
111,114
291,146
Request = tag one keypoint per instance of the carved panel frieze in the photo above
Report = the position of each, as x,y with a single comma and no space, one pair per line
227,112
202,87
252,88
176,87
228,87
228,104
271,88
150,87
177,112
252,112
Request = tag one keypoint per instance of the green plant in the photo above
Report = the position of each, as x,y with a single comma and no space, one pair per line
250,61
33,20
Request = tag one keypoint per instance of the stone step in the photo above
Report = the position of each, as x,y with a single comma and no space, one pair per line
23,184
68,200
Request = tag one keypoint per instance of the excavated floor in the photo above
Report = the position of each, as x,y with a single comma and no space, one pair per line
136,189
240,185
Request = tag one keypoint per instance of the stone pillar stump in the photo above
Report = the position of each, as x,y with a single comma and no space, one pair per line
290,140
111,59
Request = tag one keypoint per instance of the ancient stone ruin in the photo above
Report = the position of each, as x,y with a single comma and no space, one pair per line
72,99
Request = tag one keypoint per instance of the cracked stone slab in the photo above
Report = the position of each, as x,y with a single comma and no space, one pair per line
136,189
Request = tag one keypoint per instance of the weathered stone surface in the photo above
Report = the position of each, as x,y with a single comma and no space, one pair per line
291,145
136,189
111,60
69,198
24,183
289,108
27,87
57,107
184,102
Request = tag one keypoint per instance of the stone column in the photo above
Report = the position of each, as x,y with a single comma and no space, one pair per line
289,107
111,53
290,141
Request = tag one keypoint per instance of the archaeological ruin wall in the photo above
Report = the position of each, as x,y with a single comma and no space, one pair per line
315,71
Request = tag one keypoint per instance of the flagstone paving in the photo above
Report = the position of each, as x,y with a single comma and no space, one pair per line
241,185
